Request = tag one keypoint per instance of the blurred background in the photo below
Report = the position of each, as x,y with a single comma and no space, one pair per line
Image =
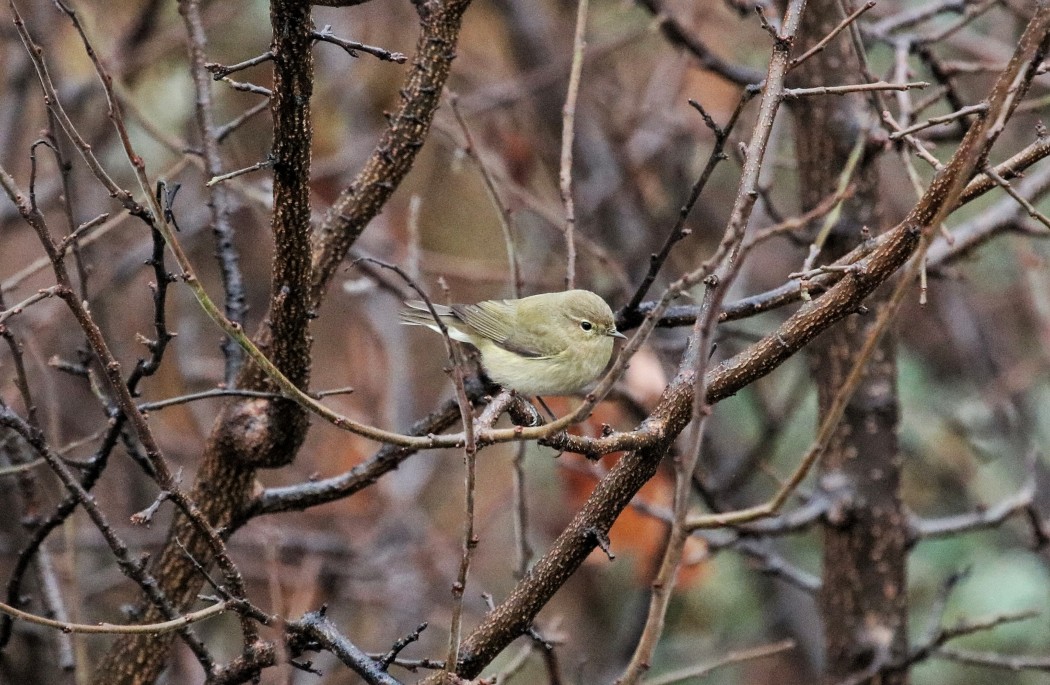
974,364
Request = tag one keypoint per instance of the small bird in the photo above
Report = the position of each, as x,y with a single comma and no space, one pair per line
547,344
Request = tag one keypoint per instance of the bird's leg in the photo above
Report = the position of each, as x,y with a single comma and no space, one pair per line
548,409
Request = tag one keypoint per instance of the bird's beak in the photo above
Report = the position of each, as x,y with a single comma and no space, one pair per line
617,334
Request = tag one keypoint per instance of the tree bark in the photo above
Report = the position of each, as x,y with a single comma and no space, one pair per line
255,433
259,433
863,595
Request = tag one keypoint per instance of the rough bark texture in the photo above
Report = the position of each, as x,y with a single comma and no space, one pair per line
862,597
396,150
255,433
260,433
248,436
591,524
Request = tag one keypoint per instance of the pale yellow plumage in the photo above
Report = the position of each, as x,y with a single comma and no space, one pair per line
548,344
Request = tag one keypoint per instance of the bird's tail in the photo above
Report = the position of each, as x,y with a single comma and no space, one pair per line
416,313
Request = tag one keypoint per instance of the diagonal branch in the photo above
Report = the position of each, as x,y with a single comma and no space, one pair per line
616,490
395,152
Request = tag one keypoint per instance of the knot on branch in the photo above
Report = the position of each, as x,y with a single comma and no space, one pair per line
262,433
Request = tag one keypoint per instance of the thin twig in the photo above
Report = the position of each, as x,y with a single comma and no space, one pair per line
943,119
218,198
685,466
677,33
470,539
722,269
854,88
157,218
353,47
218,71
832,217
794,223
914,142
129,566
1009,662
103,628
972,12
823,43
14,310
203,395
399,646
630,313
1029,208
832,415
733,657
258,166
910,17
521,512
568,126
247,87
470,449
221,132
502,210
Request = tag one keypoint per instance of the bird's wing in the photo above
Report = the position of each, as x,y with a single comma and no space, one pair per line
495,320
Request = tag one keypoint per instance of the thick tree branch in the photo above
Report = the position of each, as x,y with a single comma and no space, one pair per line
615,490
396,150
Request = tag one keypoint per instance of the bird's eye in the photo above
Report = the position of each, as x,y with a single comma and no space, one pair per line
586,325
